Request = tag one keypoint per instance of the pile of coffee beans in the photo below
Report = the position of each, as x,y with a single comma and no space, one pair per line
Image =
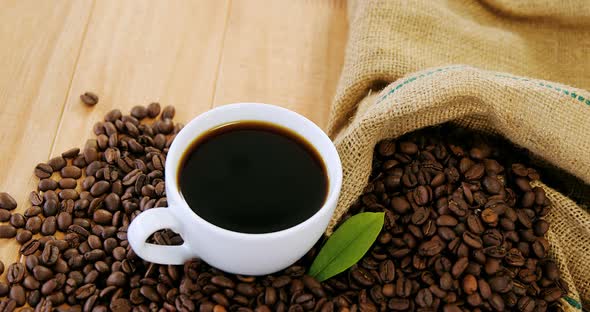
463,231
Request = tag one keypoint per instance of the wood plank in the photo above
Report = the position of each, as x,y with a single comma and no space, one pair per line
283,52
40,42
139,52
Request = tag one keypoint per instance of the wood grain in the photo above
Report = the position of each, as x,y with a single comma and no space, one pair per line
191,54
287,53
39,45
137,52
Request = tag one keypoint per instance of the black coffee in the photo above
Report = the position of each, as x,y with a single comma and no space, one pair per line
253,177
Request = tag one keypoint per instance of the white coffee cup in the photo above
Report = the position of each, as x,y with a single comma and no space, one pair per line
234,252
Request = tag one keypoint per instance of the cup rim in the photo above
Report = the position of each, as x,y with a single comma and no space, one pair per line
177,201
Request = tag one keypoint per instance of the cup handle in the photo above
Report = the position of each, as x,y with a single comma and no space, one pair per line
148,222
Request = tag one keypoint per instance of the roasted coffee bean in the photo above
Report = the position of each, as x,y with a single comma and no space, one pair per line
35,198
15,273
424,298
489,216
153,110
552,294
30,212
7,231
398,304
17,293
64,220
539,247
89,98
386,148
472,240
71,153
422,195
501,284
4,289
5,215
50,207
159,161
281,281
431,247
362,276
6,201
474,224
94,255
469,284
446,220
459,266
47,184
168,112
475,172
42,273
222,281
102,216
149,293
400,205
446,233
387,271
67,183
50,255
31,283
43,171
116,279
49,226
17,220
139,112
85,291
497,302
247,290
71,172
29,247
57,163
99,188
48,287
113,115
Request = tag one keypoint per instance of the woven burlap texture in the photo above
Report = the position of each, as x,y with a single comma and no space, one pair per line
547,118
503,42
545,39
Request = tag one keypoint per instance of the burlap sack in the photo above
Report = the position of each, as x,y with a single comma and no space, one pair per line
390,40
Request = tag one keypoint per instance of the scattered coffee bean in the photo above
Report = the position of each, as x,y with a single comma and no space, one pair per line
57,163
139,112
71,172
16,273
17,220
71,153
153,110
168,112
17,293
5,215
30,247
89,98
43,171
23,236
6,201
7,231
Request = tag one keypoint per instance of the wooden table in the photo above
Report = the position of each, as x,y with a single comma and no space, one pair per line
191,54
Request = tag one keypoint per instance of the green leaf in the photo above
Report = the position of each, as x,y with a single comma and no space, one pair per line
347,245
